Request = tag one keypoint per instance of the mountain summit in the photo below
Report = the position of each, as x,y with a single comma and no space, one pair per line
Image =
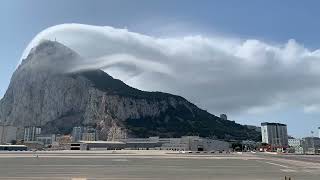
42,93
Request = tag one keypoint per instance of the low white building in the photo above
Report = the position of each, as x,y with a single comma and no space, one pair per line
295,145
294,142
46,139
84,134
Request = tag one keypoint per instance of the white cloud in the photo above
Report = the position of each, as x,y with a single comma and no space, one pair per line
220,74
314,108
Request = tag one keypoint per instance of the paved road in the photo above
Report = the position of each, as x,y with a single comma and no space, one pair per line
298,157
60,166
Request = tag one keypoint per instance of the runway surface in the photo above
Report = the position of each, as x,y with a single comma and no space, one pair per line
153,165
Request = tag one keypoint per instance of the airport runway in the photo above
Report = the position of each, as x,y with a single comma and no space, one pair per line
157,166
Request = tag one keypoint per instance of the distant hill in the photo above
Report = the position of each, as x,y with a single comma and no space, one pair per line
42,93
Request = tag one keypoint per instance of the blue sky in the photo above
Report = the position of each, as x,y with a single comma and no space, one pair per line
269,21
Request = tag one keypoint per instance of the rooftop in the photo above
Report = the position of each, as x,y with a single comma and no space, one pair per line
272,124
102,142
9,145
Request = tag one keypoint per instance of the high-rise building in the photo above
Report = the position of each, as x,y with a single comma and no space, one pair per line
77,133
30,133
274,134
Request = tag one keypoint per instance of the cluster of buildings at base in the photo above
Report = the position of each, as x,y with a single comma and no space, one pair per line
86,138
274,139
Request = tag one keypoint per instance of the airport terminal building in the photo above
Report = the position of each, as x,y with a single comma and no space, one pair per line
185,143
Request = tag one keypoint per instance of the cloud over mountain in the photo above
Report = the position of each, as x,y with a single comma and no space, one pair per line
220,74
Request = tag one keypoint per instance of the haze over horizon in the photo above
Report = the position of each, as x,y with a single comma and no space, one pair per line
251,74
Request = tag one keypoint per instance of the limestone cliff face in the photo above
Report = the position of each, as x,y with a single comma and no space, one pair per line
43,93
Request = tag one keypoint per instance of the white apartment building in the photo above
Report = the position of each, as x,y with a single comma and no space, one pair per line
296,146
77,133
89,136
31,133
294,142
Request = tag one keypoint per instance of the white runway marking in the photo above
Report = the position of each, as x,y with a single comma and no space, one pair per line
275,164
70,178
280,165
62,166
288,170
67,165
52,172
120,160
125,156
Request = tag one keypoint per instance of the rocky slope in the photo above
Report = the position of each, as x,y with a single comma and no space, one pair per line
43,93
